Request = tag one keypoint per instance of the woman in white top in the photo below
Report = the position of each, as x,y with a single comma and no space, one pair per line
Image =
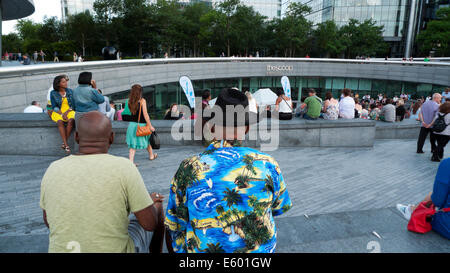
444,136
283,106
347,105
252,105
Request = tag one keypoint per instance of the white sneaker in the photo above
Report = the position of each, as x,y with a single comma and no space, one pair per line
405,210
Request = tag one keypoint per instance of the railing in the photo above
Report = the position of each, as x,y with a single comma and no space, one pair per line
55,68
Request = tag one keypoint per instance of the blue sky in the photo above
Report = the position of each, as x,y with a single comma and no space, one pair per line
47,8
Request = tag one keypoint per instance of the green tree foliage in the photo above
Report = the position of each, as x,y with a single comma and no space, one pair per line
362,39
11,42
437,35
139,26
327,40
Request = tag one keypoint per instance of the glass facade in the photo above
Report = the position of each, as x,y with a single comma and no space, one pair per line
269,8
71,7
160,97
392,14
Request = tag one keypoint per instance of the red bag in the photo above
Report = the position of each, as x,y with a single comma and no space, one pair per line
420,221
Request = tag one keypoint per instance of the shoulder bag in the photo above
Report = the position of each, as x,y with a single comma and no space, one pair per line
142,131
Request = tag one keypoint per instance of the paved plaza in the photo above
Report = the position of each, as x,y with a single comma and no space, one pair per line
347,193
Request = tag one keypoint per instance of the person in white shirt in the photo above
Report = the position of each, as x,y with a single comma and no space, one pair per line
347,105
446,94
112,112
35,107
104,107
252,105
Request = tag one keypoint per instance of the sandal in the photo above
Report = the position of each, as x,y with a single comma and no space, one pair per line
154,157
67,149
63,146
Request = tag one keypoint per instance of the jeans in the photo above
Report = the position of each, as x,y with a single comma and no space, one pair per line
305,116
423,135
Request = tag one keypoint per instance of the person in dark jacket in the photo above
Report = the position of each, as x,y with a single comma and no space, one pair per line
400,111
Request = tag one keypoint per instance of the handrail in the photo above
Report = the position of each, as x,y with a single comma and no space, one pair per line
48,68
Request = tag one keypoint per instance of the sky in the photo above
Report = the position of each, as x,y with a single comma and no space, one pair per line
47,8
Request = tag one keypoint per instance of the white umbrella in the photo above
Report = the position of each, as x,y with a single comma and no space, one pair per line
265,97
212,102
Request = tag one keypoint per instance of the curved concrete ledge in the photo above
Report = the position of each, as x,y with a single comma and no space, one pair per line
407,129
36,134
21,85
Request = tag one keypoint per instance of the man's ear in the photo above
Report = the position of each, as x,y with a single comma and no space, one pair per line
111,138
77,137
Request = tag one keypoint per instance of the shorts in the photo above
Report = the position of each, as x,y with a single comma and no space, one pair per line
141,237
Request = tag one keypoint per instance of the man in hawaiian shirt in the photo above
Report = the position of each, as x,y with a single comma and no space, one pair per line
224,199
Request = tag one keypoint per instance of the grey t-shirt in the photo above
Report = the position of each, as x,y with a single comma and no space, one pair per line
388,112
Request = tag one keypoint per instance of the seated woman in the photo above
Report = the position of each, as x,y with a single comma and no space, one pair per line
283,106
415,110
63,105
440,197
330,107
400,111
173,113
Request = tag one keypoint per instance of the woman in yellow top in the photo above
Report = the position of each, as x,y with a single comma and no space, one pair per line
63,105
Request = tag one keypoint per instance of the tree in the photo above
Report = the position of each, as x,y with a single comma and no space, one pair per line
12,42
104,13
292,34
27,29
327,42
362,39
82,29
437,35
192,27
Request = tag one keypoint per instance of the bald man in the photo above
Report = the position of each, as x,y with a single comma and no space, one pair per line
87,198
427,113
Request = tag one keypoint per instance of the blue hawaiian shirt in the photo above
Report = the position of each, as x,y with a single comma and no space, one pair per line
224,200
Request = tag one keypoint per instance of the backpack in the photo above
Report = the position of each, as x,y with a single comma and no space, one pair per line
439,124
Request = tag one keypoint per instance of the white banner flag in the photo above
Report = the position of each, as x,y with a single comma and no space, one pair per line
286,86
186,84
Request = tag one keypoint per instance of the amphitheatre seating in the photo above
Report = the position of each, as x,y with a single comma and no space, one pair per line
36,134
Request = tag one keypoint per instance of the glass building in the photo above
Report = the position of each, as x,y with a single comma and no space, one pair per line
72,7
402,19
160,97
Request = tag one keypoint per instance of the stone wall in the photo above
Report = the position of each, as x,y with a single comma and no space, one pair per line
19,86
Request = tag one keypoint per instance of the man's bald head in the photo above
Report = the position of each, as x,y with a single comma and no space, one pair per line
437,97
94,130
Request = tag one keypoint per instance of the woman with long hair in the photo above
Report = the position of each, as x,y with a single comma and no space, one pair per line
283,105
415,110
138,109
63,106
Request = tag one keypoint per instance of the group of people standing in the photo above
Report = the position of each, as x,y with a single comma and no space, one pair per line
66,106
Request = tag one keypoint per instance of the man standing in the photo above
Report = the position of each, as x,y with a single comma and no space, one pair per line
446,94
87,198
56,59
35,56
225,199
314,104
426,116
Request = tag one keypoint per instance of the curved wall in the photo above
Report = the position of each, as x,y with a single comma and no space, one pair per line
21,85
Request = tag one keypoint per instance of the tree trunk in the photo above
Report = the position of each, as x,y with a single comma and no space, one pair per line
228,47
140,50
83,44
